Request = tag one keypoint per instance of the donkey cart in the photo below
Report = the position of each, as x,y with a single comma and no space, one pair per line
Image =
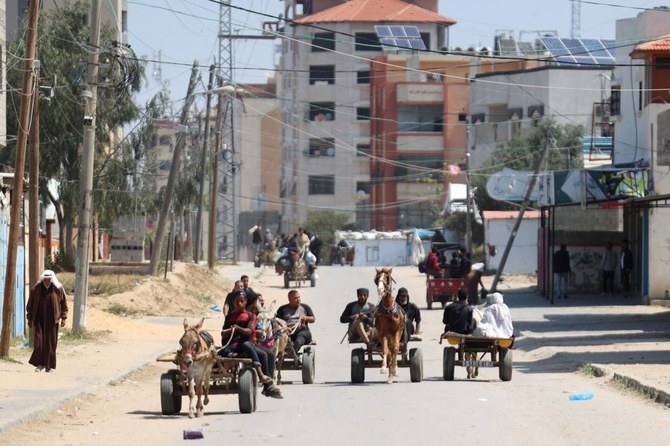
466,350
370,356
229,376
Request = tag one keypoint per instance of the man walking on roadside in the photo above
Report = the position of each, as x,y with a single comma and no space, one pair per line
608,266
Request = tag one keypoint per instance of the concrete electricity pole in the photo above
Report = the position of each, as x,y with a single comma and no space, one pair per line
211,242
526,201
203,168
174,171
28,98
90,97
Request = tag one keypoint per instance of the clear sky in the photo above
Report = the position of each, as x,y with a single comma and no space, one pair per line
184,30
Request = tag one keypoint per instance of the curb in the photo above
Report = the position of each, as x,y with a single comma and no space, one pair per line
648,392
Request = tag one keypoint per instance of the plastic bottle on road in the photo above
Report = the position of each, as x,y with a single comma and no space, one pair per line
581,396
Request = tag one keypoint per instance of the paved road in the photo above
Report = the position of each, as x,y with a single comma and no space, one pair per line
531,409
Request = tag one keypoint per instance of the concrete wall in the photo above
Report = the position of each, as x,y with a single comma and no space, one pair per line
659,253
523,255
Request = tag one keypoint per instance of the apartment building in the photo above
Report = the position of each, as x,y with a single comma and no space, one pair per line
327,108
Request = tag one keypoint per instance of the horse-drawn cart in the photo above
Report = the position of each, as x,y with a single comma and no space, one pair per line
229,376
441,290
466,350
370,356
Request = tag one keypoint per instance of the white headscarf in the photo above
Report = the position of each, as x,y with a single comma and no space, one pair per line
51,275
497,318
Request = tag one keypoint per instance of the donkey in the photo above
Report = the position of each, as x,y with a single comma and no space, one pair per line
196,358
389,323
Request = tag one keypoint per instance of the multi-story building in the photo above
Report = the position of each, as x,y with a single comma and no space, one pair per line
325,89
641,95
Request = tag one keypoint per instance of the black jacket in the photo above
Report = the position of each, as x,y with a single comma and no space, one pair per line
458,318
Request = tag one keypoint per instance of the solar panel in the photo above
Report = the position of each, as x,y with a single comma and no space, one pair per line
507,46
383,31
580,51
400,37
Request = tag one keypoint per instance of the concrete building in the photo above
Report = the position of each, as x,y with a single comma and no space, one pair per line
523,257
327,115
642,93
509,104
112,12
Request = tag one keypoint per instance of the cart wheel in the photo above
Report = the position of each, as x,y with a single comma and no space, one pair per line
254,397
357,366
308,366
257,262
429,300
448,363
505,369
170,400
246,390
312,280
416,365
286,280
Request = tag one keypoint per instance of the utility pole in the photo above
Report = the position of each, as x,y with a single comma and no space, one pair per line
28,94
34,191
468,190
174,171
211,242
203,168
90,97
526,199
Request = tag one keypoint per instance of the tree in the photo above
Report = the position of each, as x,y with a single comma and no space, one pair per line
62,50
522,153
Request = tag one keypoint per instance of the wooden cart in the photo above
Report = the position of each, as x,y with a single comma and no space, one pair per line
229,376
460,345
370,356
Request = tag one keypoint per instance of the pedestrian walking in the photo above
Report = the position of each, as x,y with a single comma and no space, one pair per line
562,271
608,266
46,313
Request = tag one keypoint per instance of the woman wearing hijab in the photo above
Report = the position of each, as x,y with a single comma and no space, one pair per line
496,321
46,312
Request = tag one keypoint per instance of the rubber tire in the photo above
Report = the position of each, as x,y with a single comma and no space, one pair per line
448,363
245,394
416,365
286,280
308,366
257,262
170,402
429,301
357,366
312,280
343,261
505,369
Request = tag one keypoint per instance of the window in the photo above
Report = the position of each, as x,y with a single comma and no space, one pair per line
362,149
321,74
322,184
322,111
323,42
420,118
321,147
165,140
367,42
416,166
363,186
426,39
663,62
363,77
362,113
615,100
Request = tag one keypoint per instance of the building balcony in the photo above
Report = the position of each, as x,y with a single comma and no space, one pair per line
414,190
424,93
423,142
